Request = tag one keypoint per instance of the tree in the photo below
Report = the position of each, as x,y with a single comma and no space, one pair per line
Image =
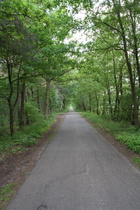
115,25
32,35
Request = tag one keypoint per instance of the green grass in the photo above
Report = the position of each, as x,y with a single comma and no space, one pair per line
123,131
24,138
136,160
6,193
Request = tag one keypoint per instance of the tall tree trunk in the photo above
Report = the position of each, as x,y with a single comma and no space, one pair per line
38,100
27,119
47,93
85,104
64,103
11,114
109,100
121,81
135,39
21,123
90,102
97,103
116,107
104,104
11,117
129,66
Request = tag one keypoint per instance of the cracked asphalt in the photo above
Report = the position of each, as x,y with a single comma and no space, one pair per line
79,170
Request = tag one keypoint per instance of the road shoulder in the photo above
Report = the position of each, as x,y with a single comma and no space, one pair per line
129,154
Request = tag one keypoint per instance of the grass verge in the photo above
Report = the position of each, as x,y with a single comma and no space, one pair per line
124,132
6,194
136,160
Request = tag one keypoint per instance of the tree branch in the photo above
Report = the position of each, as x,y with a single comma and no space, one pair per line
112,27
3,96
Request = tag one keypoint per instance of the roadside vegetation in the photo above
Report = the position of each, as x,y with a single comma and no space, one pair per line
22,139
123,131
6,193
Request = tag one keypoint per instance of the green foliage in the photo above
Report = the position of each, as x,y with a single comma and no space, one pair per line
123,131
137,161
6,193
33,112
131,140
32,35
26,137
26,140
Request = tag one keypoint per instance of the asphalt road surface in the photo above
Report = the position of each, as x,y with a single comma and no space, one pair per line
79,170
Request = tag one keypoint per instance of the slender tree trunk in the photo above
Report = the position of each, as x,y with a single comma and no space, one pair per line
11,114
12,101
27,119
21,123
47,93
133,89
116,107
64,103
104,106
97,103
129,66
109,100
38,100
136,51
18,108
121,81
90,102
84,104
11,117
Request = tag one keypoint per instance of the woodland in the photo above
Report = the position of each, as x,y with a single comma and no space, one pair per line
60,53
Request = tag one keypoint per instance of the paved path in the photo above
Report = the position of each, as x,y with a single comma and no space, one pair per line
79,170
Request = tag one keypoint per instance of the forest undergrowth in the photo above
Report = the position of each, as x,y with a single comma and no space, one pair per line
24,138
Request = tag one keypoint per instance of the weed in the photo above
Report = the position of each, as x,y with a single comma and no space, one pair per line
136,160
131,140
6,193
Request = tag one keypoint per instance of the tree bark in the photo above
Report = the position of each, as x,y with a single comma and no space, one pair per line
104,104
11,115
47,93
136,51
11,118
116,107
129,67
90,102
21,123
38,100
97,103
109,100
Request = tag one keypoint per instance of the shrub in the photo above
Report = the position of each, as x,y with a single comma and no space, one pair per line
33,113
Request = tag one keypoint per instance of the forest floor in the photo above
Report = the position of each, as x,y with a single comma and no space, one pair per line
15,169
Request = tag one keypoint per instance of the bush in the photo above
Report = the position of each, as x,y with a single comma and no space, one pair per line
26,137
33,113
